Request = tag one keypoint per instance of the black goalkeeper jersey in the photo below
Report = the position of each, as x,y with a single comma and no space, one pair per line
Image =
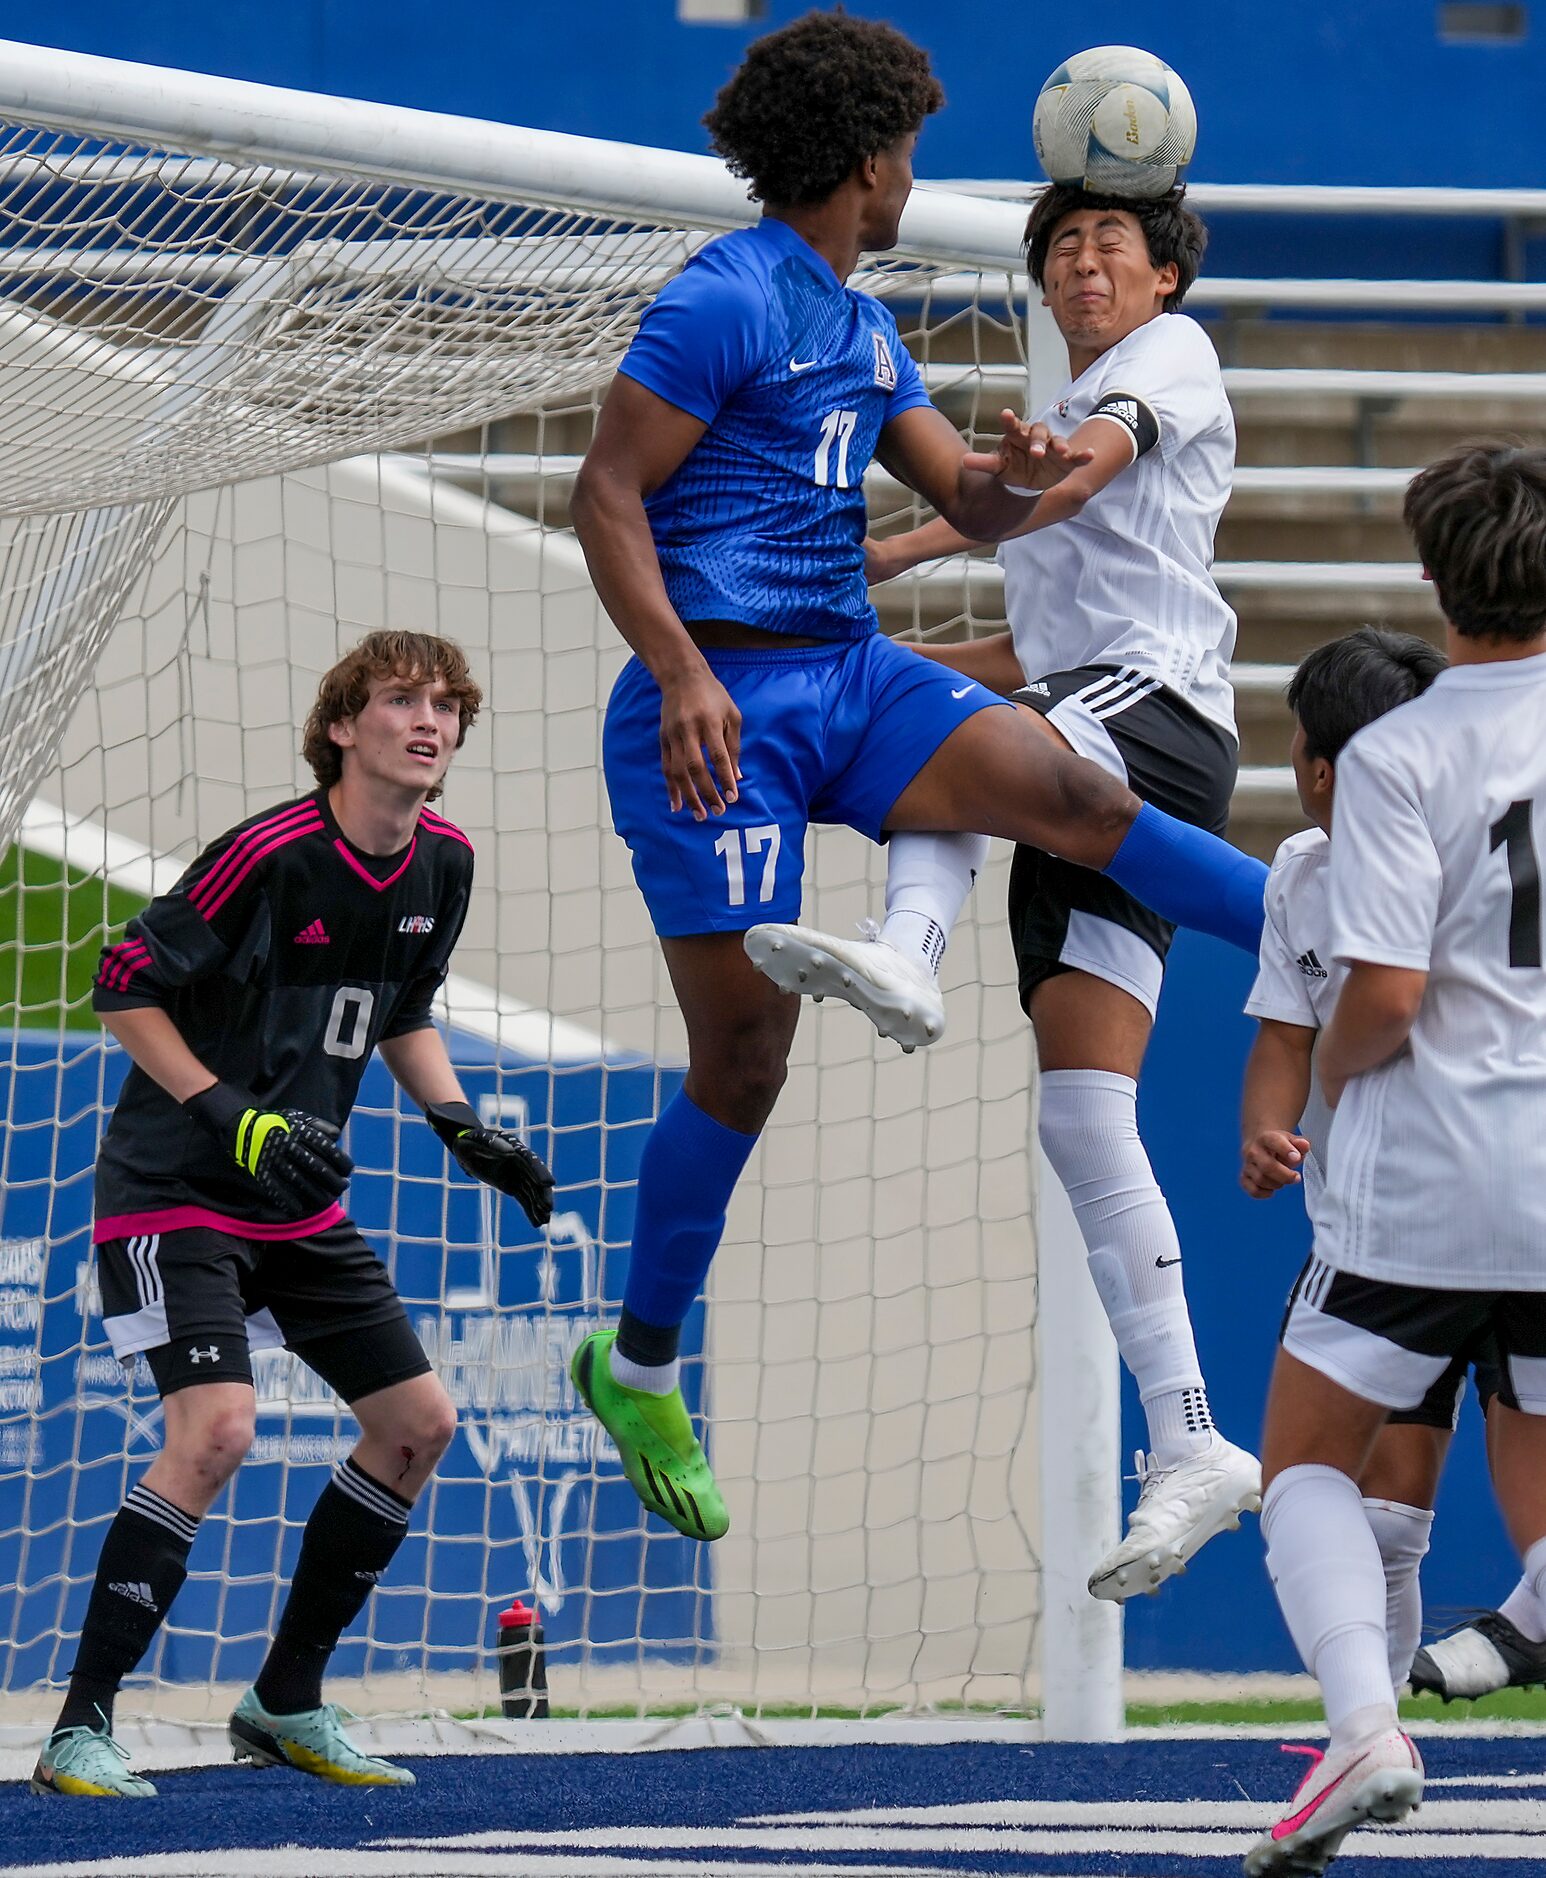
283,955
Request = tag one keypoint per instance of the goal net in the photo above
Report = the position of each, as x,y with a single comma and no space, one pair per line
269,378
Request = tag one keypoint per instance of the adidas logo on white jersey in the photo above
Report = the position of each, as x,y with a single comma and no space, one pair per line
1310,965
136,1594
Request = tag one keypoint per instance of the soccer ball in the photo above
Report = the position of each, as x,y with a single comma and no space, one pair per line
1115,120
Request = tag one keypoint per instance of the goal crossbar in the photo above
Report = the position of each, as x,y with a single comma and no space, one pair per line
502,162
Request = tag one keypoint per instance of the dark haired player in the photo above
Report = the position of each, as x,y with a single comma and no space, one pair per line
1430,1237
722,516
1126,642
1337,690
250,997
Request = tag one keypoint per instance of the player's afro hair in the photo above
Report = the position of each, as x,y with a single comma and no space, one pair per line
412,659
810,102
1171,230
1478,516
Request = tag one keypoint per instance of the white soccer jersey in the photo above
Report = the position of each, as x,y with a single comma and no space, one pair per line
1128,580
1437,1169
1298,979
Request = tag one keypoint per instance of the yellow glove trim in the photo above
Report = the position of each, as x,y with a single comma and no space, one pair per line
253,1130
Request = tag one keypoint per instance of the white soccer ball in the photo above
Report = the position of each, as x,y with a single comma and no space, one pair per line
1115,120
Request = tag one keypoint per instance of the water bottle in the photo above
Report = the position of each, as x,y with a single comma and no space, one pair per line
523,1673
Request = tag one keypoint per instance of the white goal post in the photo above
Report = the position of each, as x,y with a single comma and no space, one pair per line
235,324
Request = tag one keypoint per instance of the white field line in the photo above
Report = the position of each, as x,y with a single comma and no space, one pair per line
347,1862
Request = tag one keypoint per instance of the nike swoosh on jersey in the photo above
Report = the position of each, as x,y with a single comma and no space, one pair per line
962,692
802,365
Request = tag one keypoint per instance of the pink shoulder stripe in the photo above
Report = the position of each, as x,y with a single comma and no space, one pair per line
298,815
122,962
209,905
438,825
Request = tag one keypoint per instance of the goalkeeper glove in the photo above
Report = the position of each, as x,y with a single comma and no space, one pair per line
495,1155
294,1157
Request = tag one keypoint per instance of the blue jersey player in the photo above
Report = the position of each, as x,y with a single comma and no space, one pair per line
721,513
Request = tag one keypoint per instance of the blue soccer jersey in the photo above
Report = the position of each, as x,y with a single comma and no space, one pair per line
795,375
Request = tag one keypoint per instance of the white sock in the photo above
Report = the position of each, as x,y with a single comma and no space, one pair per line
653,1378
1535,1571
928,879
1325,1566
1401,1532
1089,1128
1523,1610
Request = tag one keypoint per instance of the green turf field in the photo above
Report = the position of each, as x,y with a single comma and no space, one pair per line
53,924
1526,1705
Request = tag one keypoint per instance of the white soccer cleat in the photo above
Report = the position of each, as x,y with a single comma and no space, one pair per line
1179,1510
900,996
1380,1779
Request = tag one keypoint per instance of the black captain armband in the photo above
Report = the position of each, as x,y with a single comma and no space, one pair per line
1135,417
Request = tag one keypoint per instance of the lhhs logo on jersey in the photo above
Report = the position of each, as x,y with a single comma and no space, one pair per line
885,365
416,922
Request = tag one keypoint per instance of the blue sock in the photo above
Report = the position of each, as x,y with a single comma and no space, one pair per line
687,1174
1191,878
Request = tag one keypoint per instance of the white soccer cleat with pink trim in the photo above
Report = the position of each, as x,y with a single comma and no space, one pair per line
1380,1780
899,995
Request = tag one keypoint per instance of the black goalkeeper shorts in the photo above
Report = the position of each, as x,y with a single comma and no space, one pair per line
198,1301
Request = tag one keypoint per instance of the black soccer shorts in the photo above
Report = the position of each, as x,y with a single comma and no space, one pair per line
1404,1345
197,1301
1066,918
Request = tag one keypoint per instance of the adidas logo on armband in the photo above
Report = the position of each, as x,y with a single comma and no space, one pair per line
136,1594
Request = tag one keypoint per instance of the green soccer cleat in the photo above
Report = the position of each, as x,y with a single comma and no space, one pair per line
660,1453
313,1741
87,1763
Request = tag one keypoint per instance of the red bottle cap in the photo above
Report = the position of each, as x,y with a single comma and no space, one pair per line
518,1613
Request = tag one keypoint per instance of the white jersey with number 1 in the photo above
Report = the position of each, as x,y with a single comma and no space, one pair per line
1437,1171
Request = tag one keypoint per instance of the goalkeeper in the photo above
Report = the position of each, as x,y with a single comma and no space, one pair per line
250,997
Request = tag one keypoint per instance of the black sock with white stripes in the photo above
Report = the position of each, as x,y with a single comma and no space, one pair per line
353,1533
143,1563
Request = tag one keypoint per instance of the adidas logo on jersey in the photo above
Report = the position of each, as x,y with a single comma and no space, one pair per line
313,935
416,922
137,1594
1310,965
885,365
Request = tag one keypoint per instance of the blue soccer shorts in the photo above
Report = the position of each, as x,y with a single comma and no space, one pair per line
828,734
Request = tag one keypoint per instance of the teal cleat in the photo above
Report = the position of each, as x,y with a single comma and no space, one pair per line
313,1741
661,1456
87,1763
